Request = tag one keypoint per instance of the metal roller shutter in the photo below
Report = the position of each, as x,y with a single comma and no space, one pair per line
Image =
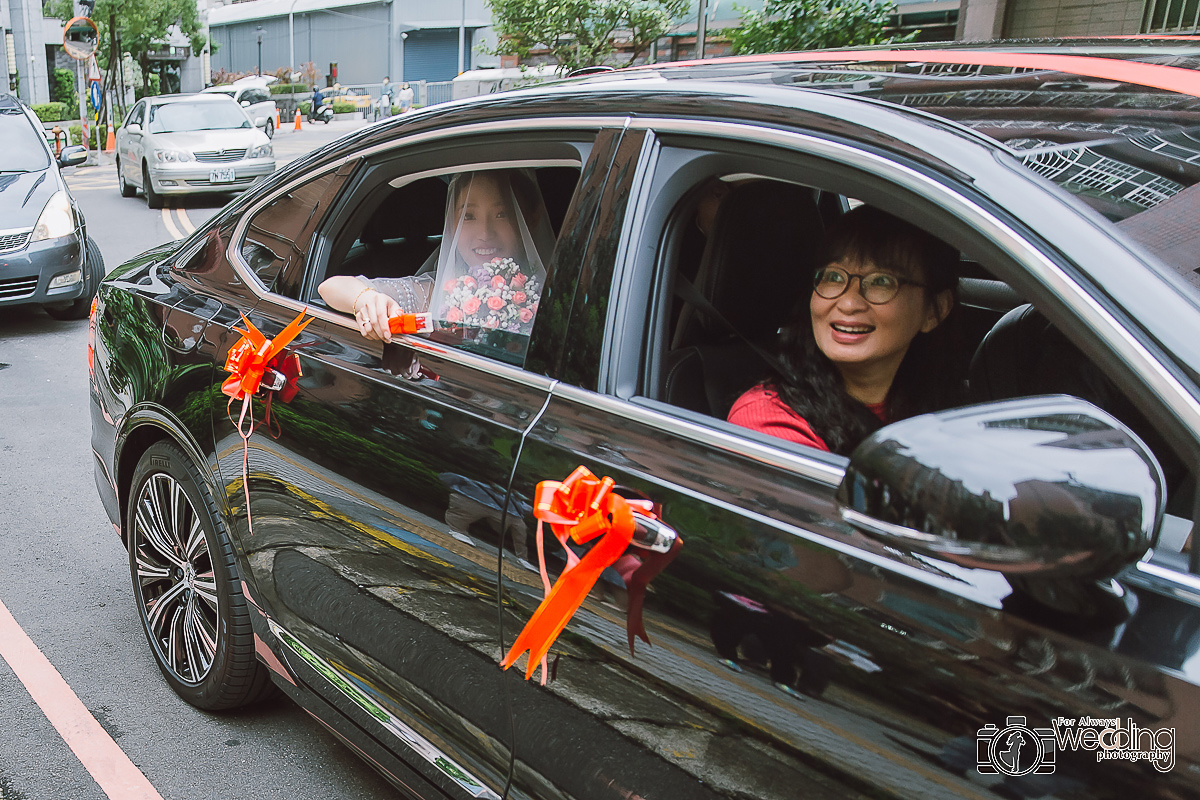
432,54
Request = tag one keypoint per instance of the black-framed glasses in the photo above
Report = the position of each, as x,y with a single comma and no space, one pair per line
876,288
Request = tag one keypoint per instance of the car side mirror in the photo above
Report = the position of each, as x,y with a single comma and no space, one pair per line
245,104
133,127
260,122
1028,487
72,156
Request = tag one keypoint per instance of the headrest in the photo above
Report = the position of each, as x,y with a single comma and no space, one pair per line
1024,354
757,263
414,211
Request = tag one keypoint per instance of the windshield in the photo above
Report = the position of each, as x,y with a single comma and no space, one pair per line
178,117
23,150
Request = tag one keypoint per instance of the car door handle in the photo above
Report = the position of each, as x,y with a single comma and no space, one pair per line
651,533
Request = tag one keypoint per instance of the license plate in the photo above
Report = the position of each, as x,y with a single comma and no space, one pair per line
221,176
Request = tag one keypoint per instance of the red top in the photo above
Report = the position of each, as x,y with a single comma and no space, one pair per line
760,409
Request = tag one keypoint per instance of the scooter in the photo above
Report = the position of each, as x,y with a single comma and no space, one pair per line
324,113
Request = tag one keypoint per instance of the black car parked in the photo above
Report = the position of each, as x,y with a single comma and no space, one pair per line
46,256
995,600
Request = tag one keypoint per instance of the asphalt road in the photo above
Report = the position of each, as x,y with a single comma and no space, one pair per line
64,575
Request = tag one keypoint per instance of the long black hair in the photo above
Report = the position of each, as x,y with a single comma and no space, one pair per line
931,375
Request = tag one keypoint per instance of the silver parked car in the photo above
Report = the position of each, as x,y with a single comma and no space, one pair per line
255,97
182,144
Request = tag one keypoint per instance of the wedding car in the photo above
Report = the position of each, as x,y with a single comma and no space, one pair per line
998,599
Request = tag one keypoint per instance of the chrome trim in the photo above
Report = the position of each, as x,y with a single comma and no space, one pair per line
505,126
709,437
878,527
394,725
1181,585
652,534
1099,320
470,360
404,180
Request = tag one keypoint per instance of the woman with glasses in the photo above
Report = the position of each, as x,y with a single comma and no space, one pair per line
877,342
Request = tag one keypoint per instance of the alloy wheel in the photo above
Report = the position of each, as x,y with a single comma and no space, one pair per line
175,582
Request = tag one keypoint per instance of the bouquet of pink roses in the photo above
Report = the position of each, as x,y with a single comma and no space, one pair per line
496,295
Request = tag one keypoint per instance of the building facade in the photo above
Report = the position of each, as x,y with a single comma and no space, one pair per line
407,40
1036,19
29,49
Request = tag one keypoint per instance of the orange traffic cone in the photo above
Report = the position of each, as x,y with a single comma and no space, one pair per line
297,119
111,144
277,118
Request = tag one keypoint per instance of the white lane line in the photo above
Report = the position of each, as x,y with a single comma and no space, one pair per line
171,229
95,749
184,220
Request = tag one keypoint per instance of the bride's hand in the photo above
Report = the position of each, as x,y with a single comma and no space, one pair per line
372,310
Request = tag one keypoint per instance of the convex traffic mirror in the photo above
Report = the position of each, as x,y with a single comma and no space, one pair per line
80,37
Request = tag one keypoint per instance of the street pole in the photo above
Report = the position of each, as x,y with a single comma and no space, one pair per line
292,38
83,126
701,28
260,34
462,38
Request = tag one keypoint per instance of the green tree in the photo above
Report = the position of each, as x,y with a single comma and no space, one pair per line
788,25
581,33
139,25
62,90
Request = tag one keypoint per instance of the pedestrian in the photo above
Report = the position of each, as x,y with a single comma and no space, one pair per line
404,97
385,99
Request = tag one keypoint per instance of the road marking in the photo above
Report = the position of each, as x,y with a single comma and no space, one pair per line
171,229
92,745
184,220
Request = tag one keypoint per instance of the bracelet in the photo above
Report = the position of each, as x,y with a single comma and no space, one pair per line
354,305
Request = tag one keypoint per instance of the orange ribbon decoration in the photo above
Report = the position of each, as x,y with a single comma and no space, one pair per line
247,362
249,359
411,323
580,508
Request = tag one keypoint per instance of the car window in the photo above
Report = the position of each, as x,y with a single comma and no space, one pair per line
738,256
137,115
281,232
24,150
473,248
255,96
184,116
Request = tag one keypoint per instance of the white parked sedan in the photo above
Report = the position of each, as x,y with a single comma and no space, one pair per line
182,144
253,95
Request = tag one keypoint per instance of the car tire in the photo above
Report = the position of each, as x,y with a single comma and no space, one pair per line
127,189
186,585
93,273
270,128
153,198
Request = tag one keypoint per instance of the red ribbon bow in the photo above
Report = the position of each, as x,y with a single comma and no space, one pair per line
581,508
249,359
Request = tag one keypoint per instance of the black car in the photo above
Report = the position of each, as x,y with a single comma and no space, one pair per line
994,600
46,256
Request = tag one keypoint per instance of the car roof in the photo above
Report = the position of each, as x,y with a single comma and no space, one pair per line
213,97
1054,89
1028,98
